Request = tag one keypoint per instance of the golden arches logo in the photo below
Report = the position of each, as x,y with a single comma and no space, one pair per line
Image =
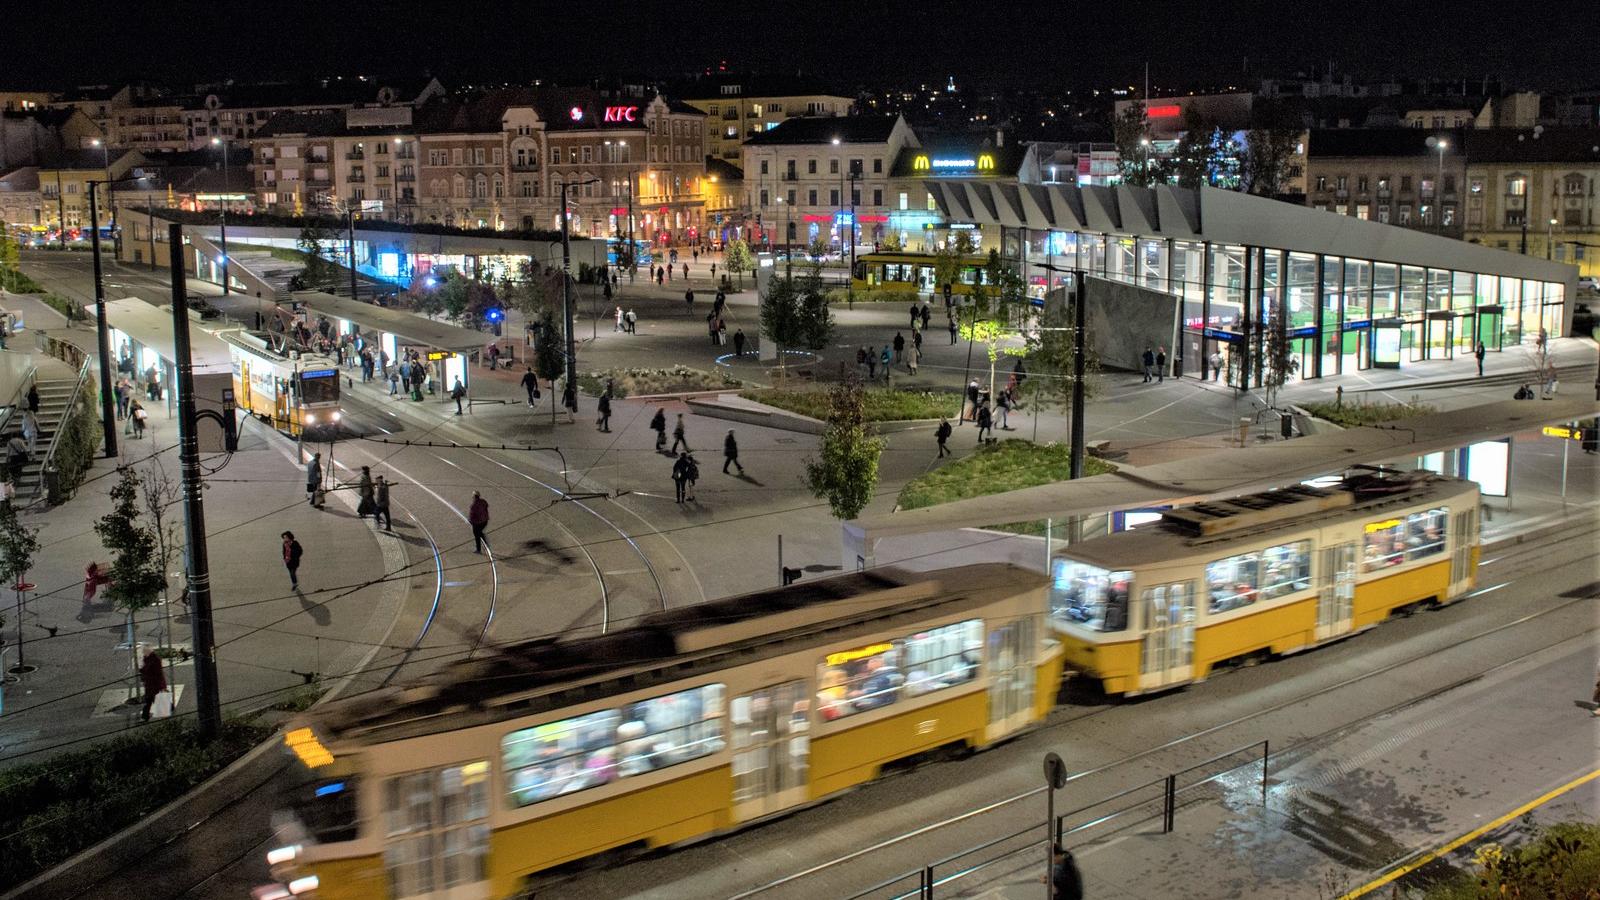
920,164
985,161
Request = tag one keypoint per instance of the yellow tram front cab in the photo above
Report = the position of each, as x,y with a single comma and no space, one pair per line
296,393
1273,573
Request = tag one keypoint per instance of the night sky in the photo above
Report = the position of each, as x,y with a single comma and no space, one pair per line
1061,43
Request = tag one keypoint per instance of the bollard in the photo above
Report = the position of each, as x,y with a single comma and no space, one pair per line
54,490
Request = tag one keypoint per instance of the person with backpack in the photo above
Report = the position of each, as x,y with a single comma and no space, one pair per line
658,424
292,552
985,423
365,505
380,504
604,422
680,475
942,435
314,477
458,393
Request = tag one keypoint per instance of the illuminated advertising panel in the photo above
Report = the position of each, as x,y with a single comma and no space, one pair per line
1489,464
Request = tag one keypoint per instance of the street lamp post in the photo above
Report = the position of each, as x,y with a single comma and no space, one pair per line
566,283
1549,236
1144,144
111,194
222,211
108,409
1440,144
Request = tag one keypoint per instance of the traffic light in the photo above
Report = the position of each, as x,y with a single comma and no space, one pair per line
494,316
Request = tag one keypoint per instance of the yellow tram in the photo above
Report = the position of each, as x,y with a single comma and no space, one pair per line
693,722
896,270
1164,604
294,393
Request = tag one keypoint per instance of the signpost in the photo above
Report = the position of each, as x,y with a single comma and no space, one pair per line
1055,778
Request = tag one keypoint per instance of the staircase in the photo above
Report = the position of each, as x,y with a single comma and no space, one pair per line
55,390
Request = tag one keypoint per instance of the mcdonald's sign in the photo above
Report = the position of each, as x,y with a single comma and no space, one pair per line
919,164
952,165
985,162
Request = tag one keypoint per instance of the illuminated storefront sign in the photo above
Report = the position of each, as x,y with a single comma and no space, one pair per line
983,162
1169,111
622,113
576,113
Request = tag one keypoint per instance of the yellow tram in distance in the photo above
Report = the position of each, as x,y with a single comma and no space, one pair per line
696,721
296,393
1166,603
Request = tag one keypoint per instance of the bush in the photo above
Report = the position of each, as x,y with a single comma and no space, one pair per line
875,295
1352,415
73,311
79,441
994,469
51,810
882,405
1562,860
633,382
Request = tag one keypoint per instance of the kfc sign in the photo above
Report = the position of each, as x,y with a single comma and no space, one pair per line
576,113
622,113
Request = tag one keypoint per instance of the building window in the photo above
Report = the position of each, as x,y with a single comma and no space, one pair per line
1475,186
1322,182
1517,186
555,155
811,167
588,153
790,199
833,167
1363,211
1405,214
811,197
1361,184
1447,213
1449,184
903,200
1427,187
763,198
833,197
1516,217
764,167
877,196
1405,184
1341,183
877,166
1342,209
1383,185
455,156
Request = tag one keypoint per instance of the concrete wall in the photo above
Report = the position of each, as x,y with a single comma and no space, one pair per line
1123,319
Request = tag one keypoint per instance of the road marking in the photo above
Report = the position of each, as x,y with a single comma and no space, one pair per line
1472,835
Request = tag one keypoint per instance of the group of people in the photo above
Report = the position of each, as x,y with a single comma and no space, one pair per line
1155,364
897,352
627,322
21,446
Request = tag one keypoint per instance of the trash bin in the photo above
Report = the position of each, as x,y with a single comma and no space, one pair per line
1244,430
55,492
1286,426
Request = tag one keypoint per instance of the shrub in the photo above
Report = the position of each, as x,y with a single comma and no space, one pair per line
76,448
994,469
875,295
637,381
73,311
1352,415
881,405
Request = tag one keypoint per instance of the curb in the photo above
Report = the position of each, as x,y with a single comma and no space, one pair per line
772,417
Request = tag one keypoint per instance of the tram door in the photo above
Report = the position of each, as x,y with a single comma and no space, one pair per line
1168,656
1011,676
771,749
1336,590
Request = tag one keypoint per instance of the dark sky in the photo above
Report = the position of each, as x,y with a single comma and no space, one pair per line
1045,43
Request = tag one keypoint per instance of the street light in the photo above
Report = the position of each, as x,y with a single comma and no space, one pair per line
111,196
1440,144
222,209
108,409
1549,236
1145,144
566,283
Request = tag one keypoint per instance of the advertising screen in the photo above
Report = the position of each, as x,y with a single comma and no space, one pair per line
1489,464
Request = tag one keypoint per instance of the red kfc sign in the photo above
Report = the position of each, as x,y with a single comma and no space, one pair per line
622,113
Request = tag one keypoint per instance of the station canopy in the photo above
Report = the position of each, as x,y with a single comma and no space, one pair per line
409,327
151,326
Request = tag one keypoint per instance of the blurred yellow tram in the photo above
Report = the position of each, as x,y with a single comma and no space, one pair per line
693,722
295,393
1164,604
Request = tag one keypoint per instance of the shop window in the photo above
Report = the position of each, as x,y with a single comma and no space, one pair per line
1089,595
1517,186
1425,533
877,675
1231,583
1285,569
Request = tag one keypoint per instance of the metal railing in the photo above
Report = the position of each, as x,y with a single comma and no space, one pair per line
85,366
926,878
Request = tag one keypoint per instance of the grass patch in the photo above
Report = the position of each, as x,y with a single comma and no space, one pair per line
874,295
882,404
1353,415
17,282
997,468
286,254
636,381
50,810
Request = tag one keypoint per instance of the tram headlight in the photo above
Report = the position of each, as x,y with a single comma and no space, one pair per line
303,885
311,418
334,416
282,855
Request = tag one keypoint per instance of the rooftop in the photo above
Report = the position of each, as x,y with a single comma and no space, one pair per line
823,130
1378,142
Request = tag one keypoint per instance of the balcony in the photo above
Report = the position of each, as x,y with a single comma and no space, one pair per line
528,166
319,183
405,176
355,154
356,178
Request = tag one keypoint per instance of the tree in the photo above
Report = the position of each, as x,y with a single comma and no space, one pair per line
549,362
845,471
818,248
18,544
1130,131
890,242
794,313
1279,361
529,294
996,309
816,319
737,259
453,295
137,576
10,258
162,492
1050,349
1270,146
1192,163
318,274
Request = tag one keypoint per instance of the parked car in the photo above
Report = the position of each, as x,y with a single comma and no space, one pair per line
1589,283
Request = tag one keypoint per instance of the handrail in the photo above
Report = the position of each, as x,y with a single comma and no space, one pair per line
66,416
14,402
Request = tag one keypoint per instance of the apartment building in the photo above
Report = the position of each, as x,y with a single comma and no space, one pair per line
1534,191
1409,177
739,108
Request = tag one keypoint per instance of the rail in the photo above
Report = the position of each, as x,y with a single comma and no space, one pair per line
15,401
66,352
927,879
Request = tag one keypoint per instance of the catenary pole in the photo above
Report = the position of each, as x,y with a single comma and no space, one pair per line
198,566
1078,364
108,409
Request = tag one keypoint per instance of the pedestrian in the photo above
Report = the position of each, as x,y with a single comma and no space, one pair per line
941,435
1216,365
883,359
658,424
569,397
604,422
720,303
478,518
1596,710
694,474
494,356
927,314
139,417
660,277
916,338
685,271
713,271
916,314
1065,881
530,383
380,504
292,551
30,430
365,506
33,394
1148,359
688,300
92,579
711,326
17,457
680,475
971,408
730,453
394,384
913,356
633,322
900,345
861,359
677,436
314,477
153,677
952,328
124,394
1478,353
458,393
618,326
985,423
738,342
872,363
1004,405
1161,365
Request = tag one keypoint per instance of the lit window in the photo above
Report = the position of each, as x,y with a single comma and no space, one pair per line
1231,582
1095,598
871,677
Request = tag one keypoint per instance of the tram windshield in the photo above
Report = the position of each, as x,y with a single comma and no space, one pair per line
321,386
1090,596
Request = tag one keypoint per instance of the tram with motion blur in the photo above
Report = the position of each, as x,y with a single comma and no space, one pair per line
296,393
696,721
1165,604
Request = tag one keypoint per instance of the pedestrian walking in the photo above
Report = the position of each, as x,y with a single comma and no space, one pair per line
872,363
380,504
685,271
941,435
394,384
658,424
900,346
1161,365
694,475
1003,403
530,383
138,418
680,475
30,430
985,423
633,322
153,678
730,453
1478,353
292,551
365,505
688,300
927,314
883,360
569,397
458,393
124,394
677,436
713,271
93,578
916,338
604,422
33,393
952,324
618,326
711,327
1216,365
738,342
1148,360
913,356
313,477
971,407
478,518
916,314
1065,881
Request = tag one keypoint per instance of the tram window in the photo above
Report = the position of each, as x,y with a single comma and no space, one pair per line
1090,596
664,731
1385,545
1231,583
1285,569
854,681
1425,533
327,809
561,757
943,657
320,390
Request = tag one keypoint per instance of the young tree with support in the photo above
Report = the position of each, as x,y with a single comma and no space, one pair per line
1051,347
136,573
1279,362
548,358
18,544
845,470
737,259
995,311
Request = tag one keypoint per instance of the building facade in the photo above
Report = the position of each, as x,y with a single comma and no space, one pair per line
1536,192
738,109
1409,177
64,178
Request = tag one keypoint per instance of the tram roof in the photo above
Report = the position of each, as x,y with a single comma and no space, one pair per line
1227,473
152,326
402,324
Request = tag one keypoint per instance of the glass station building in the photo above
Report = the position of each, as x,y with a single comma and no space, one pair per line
1352,294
